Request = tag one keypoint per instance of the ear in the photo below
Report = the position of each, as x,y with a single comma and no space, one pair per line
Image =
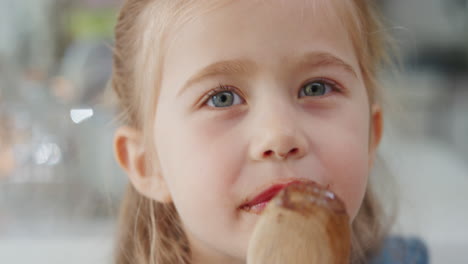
376,131
131,154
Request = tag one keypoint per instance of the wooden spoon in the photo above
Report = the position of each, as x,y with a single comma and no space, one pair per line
303,224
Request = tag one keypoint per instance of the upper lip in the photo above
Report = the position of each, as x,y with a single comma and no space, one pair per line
268,193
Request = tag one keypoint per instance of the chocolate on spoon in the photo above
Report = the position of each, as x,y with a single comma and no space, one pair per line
302,224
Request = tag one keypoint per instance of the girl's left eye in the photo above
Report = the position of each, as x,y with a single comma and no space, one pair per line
222,97
316,88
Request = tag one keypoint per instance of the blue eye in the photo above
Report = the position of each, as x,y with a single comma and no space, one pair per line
316,88
223,96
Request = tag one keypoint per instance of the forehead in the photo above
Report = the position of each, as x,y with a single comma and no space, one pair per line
265,31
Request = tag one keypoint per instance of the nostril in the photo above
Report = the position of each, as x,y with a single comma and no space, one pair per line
293,151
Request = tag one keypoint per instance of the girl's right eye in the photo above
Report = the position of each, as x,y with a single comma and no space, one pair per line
222,97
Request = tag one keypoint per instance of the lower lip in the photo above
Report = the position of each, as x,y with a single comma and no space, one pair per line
257,208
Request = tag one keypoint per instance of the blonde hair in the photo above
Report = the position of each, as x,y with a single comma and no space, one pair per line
150,232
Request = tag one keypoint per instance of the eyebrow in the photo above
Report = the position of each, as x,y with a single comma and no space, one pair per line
314,60
225,67
311,60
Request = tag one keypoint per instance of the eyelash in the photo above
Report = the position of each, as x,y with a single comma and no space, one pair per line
226,88
220,88
333,85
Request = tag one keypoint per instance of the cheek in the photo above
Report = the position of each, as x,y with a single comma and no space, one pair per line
207,151
350,175
200,161
346,159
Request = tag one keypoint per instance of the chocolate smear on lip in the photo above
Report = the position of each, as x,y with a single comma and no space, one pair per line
304,197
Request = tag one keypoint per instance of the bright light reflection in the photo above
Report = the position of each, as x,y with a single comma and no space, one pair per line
48,154
79,115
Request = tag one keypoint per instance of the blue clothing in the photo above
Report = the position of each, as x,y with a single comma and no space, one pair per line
398,250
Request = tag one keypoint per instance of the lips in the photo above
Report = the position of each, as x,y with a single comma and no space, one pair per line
259,202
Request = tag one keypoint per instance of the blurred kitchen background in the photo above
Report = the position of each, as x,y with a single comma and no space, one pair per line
60,186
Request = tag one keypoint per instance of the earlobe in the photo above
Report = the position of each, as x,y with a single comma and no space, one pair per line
131,154
376,131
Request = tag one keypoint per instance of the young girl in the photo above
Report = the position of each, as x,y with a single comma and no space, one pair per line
222,100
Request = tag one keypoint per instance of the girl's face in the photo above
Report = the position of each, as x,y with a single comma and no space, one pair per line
292,105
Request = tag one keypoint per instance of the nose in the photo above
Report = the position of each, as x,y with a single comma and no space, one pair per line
286,149
279,138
